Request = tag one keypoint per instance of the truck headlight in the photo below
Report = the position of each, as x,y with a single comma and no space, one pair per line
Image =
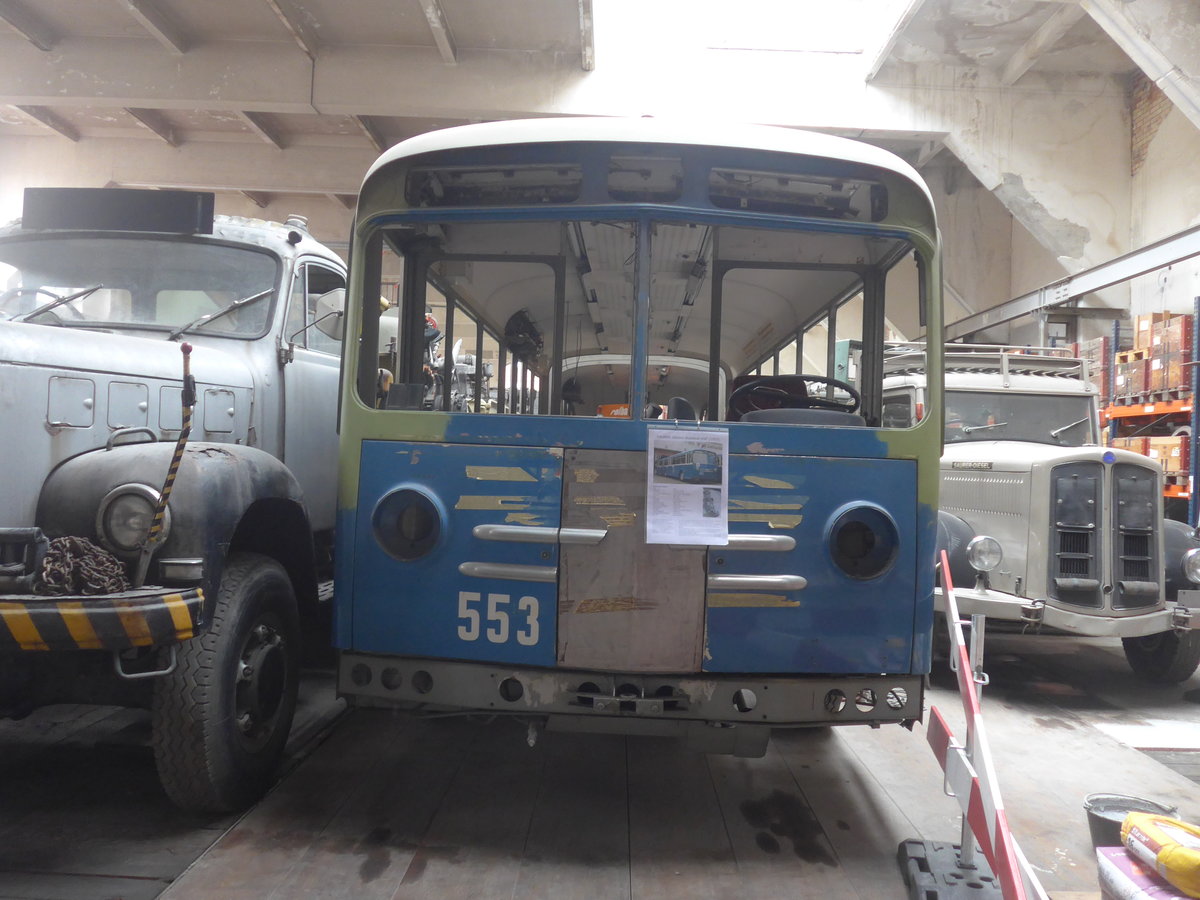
1191,565
124,517
984,553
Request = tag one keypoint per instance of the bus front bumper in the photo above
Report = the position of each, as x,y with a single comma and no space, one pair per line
146,617
1038,614
705,698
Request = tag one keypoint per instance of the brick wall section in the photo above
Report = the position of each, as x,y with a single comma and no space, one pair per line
1148,107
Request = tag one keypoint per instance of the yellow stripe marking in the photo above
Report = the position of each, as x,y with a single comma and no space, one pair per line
773,521
750,600
476,501
518,518
20,623
757,504
759,481
136,627
498,473
179,615
75,618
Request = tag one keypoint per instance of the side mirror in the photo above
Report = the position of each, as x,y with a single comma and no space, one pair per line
324,309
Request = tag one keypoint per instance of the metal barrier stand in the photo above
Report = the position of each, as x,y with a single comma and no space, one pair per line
939,871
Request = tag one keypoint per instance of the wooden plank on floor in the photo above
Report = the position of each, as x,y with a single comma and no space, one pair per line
474,844
864,822
778,840
679,847
370,847
261,849
578,842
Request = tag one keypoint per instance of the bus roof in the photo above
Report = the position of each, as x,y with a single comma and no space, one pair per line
651,131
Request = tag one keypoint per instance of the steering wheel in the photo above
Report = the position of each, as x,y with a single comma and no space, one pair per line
780,391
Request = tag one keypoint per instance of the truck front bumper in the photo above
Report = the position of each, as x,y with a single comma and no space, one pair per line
145,617
1040,615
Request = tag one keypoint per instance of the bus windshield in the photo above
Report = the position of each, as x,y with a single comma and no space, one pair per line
544,318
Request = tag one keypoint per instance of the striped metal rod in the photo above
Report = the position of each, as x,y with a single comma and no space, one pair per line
188,399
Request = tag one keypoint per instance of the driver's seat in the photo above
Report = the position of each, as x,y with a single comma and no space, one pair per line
791,383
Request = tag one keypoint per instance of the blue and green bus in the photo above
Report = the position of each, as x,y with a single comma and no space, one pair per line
604,281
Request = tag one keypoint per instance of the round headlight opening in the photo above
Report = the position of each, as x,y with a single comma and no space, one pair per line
124,517
1191,565
863,542
407,524
984,553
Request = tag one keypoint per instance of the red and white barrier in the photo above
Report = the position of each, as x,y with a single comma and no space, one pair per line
970,773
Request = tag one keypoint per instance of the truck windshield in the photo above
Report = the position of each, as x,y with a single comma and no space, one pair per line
145,282
1065,420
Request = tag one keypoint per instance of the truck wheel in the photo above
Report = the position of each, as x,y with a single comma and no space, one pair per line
1166,657
221,719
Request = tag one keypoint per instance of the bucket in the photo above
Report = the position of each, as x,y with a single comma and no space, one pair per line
1106,812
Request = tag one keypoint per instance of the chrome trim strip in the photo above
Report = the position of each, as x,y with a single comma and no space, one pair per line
757,582
509,571
779,543
533,534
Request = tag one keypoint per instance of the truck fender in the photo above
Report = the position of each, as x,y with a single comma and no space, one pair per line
1177,539
225,497
953,535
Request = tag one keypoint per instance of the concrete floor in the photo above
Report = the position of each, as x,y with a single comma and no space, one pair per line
389,806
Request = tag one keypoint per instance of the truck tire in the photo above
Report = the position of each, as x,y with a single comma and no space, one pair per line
1166,657
221,719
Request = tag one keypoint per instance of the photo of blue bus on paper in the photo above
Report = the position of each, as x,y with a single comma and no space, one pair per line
693,466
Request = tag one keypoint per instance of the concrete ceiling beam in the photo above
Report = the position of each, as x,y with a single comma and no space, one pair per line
258,198
1163,38
371,132
158,23
48,118
259,124
443,37
197,165
156,123
27,24
296,25
587,37
116,73
1043,40
910,13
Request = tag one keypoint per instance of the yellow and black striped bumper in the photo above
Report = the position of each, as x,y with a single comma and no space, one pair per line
138,618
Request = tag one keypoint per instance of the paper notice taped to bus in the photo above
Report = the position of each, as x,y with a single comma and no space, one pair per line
687,487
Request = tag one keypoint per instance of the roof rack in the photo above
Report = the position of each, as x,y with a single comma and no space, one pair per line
1058,362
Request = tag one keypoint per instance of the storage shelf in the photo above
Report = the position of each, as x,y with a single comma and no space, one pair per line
1154,408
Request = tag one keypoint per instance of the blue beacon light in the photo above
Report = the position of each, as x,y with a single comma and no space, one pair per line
1109,456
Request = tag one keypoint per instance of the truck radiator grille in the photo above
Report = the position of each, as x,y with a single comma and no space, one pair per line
1135,512
1076,565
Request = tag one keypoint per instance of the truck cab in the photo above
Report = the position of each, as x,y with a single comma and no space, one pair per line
1046,528
168,395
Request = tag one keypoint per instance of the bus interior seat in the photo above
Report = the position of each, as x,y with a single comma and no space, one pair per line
681,408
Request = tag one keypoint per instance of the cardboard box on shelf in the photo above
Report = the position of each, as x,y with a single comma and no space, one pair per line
1143,329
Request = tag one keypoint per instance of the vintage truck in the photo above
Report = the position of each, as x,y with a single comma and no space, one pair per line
193,604
1048,530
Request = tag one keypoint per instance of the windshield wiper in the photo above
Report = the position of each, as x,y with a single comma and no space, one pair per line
971,429
1057,431
57,302
211,317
